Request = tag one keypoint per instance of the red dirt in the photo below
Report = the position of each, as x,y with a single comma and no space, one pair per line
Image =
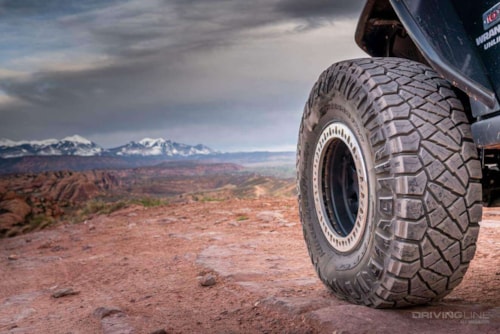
144,266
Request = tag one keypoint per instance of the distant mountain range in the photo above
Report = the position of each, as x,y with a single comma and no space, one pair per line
76,153
160,147
80,146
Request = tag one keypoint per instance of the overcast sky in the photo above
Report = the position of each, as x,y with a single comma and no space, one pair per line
231,74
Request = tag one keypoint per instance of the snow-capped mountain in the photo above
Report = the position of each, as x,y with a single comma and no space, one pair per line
74,145
79,146
160,147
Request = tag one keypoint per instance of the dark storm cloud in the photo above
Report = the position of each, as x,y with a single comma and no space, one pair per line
320,8
176,66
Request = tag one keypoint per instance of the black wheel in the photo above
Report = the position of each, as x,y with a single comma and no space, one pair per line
389,183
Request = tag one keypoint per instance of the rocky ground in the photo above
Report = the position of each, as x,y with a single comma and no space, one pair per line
236,266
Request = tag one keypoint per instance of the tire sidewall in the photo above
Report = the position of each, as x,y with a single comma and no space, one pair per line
331,262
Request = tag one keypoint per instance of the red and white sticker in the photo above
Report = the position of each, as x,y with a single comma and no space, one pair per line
491,16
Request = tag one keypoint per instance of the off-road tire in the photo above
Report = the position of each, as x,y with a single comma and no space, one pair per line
417,175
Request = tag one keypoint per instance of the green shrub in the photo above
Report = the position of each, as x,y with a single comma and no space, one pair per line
150,202
37,222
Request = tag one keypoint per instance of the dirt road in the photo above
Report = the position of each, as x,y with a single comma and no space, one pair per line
238,266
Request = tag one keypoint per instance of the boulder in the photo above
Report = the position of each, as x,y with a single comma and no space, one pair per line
17,206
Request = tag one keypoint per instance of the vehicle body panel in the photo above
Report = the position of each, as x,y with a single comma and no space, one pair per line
459,39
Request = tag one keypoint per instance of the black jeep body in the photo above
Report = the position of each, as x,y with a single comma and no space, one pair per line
461,41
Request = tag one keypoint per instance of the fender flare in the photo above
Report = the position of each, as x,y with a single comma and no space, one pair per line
431,32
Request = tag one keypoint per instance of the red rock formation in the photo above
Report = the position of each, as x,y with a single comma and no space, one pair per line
13,211
25,196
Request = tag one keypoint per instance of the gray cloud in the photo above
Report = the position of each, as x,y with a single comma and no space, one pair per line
231,74
320,8
43,7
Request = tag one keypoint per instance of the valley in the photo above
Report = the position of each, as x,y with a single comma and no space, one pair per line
32,201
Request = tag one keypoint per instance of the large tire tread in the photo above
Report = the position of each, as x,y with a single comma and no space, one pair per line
428,175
